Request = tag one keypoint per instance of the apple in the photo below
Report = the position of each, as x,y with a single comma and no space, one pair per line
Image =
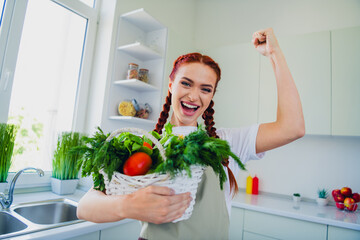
335,192
346,191
339,198
349,203
340,205
356,197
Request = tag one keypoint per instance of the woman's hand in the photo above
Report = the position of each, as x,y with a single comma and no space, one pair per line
156,204
265,41
151,204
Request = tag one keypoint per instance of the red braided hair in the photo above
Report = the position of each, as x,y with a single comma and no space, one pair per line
209,112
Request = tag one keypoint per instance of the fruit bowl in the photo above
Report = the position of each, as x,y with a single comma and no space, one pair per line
345,199
348,207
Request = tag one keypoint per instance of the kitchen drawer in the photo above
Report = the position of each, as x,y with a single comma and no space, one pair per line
236,223
89,236
336,233
254,236
282,227
126,231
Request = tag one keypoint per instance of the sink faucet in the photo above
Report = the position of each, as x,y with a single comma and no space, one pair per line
6,202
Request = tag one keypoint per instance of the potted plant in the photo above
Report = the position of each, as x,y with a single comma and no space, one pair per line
65,166
322,197
7,142
296,197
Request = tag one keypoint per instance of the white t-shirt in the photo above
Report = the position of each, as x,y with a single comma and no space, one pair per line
242,142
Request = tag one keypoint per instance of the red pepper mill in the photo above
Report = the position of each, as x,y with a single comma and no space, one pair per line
255,185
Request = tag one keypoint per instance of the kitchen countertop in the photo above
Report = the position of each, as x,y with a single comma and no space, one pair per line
265,203
307,211
64,231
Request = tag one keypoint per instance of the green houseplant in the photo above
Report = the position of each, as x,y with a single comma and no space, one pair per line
65,166
322,197
296,197
7,142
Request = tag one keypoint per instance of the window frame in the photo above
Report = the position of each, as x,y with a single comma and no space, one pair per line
13,20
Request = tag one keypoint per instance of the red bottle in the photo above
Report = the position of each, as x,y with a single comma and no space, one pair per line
255,185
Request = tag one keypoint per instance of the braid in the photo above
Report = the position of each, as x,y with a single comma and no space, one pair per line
209,120
211,130
164,114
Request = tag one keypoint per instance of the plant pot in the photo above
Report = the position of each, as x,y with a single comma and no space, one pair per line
296,199
322,201
63,187
3,186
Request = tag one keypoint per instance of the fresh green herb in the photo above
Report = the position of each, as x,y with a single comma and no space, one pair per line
197,148
64,165
296,194
7,141
322,193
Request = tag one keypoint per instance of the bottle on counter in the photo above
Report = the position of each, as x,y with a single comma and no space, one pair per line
132,71
255,185
249,182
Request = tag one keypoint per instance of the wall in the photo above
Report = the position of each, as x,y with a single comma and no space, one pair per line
222,28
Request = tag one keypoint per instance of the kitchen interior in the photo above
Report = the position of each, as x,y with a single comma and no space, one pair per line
320,42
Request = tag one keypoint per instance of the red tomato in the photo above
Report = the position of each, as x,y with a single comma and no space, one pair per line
137,164
147,145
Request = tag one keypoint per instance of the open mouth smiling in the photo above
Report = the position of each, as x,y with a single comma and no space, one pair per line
188,108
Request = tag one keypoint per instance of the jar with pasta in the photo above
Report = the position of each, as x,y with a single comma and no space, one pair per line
144,75
132,71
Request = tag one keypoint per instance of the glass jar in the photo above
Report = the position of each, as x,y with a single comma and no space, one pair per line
144,75
132,71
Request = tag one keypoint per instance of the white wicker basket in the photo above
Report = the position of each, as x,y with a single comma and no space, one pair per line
122,184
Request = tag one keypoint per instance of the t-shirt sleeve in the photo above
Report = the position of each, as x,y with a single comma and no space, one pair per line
242,142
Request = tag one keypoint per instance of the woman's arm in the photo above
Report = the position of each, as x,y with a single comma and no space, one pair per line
151,204
289,124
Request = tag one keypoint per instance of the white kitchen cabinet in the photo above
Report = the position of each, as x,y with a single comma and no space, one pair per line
126,231
240,77
141,39
254,236
308,58
236,224
336,233
346,81
273,226
89,236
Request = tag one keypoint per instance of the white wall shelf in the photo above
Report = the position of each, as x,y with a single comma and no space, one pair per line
140,51
136,85
143,20
133,120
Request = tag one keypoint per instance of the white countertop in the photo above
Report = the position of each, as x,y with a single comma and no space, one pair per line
307,211
64,231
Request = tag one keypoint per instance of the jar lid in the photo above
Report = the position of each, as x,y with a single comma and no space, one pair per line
143,70
134,64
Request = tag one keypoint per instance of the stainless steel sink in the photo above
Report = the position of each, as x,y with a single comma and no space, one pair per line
37,216
48,213
10,224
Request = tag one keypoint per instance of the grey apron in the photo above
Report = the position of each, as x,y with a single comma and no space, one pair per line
209,219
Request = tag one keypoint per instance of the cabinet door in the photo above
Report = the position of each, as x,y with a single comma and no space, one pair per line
308,58
236,98
89,236
282,227
130,230
335,233
236,223
254,236
346,81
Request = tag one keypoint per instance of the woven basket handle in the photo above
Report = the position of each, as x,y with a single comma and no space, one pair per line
140,131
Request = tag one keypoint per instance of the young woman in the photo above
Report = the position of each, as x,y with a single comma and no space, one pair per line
192,85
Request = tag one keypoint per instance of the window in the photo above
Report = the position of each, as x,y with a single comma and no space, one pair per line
43,89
